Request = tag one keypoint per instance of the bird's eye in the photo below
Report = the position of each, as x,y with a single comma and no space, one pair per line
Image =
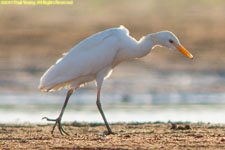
171,41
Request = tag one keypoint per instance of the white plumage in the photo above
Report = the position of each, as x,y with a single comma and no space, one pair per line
95,57
85,60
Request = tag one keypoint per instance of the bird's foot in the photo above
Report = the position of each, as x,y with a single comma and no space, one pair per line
57,123
108,133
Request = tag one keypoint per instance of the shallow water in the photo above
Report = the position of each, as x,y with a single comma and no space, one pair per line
139,108
132,93
115,113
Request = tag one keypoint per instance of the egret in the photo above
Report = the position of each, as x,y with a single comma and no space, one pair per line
94,59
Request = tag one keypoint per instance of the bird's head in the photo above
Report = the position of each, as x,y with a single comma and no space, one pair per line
169,40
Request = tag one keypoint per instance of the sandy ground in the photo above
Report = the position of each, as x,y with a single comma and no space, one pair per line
127,136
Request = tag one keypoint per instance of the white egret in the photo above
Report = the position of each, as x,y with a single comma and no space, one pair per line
94,59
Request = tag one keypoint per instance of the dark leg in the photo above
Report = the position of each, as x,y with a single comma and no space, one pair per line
102,113
58,120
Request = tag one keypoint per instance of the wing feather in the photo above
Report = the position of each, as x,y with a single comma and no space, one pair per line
87,58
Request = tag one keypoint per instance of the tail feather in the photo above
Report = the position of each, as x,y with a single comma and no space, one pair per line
43,89
56,87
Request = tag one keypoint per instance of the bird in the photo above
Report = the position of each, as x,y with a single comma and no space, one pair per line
94,59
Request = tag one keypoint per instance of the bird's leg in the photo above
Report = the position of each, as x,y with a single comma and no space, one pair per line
102,113
59,118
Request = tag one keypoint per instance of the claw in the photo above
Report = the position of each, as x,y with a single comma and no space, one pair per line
46,118
57,123
108,133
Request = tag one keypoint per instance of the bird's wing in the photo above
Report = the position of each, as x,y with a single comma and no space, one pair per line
87,58
97,39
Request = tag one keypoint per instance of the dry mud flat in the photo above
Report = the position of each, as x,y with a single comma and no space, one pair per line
128,136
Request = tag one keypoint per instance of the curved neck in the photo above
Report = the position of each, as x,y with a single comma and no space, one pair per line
146,44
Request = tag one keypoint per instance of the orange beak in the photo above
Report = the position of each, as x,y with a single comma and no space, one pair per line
184,51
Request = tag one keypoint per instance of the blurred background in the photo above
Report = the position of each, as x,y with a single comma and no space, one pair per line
163,86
